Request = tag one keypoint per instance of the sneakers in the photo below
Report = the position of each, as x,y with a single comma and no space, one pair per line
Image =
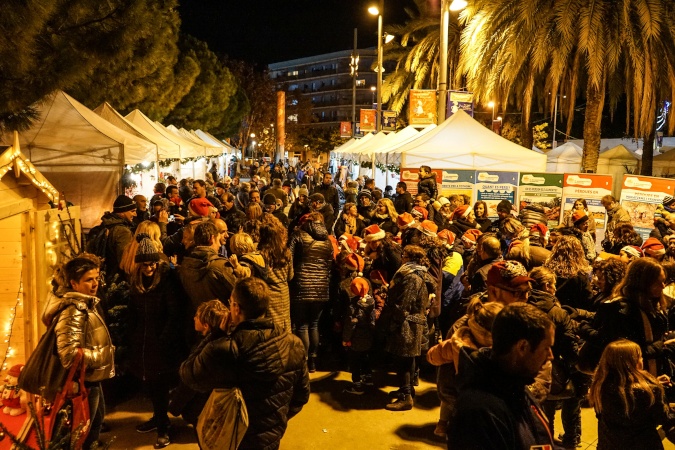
163,440
402,403
441,428
355,388
146,427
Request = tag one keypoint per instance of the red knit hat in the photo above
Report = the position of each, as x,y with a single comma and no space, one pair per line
471,236
404,220
373,233
200,207
653,247
420,213
359,286
461,211
428,227
354,263
579,217
447,236
539,229
15,370
507,274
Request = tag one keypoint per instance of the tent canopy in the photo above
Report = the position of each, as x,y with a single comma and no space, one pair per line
186,149
209,149
565,158
462,142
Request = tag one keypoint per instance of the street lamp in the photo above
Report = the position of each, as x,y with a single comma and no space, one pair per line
378,11
456,5
372,90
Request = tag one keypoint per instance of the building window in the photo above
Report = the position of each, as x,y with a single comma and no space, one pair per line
292,73
294,102
292,87
293,118
360,83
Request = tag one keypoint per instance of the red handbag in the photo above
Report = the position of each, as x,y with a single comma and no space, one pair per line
69,413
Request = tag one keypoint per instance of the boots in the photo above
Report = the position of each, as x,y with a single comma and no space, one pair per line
398,392
403,403
311,364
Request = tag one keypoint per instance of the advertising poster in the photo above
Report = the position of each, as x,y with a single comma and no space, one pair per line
345,129
389,120
368,120
423,107
457,182
542,189
459,100
640,196
493,187
411,177
591,187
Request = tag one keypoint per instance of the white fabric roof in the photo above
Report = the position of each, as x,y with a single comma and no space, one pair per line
211,139
565,158
186,149
68,134
209,149
165,148
462,142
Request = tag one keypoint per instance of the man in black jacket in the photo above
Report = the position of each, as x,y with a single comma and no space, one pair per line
494,409
267,363
403,201
329,192
427,184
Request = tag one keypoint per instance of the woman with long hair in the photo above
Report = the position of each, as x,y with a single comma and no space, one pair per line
480,210
156,333
349,221
385,216
251,225
569,264
629,401
152,230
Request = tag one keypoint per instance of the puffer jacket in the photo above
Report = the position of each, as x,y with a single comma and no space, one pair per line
532,215
428,186
206,276
269,367
80,325
312,263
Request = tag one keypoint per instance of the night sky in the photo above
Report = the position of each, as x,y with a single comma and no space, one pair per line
268,31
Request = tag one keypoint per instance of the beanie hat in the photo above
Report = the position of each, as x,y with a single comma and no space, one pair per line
579,217
447,236
15,370
303,191
354,263
539,229
471,236
504,206
123,204
200,206
227,179
443,201
269,199
359,286
653,247
461,212
632,250
667,200
373,233
437,205
352,185
146,252
669,238
365,193
378,277
428,227
507,274
419,213
316,197
404,220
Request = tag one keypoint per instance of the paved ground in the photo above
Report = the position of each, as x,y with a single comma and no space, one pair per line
331,420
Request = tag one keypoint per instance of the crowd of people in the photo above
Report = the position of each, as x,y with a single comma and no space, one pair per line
257,283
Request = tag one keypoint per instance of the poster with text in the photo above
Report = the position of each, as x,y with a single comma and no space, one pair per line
492,187
389,120
422,107
345,129
459,100
368,120
411,177
640,196
591,187
457,182
544,190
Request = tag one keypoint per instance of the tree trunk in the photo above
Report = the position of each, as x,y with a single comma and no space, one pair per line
526,132
648,154
595,100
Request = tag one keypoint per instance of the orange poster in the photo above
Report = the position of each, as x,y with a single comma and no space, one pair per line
422,107
368,120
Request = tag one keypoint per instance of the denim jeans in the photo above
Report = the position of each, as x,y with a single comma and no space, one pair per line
305,322
96,412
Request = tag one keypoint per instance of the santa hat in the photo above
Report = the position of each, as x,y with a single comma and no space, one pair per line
539,229
354,263
15,370
471,236
653,247
373,233
632,250
428,227
462,211
404,221
378,277
419,213
200,207
579,217
359,287
447,236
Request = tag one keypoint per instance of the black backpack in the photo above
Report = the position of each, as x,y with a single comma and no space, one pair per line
97,240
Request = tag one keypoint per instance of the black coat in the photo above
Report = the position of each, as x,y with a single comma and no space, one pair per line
428,186
330,194
403,203
269,367
386,224
312,263
566,342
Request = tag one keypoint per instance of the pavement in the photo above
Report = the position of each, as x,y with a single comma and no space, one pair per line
331,420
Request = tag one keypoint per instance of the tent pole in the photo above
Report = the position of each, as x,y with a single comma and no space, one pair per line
157,161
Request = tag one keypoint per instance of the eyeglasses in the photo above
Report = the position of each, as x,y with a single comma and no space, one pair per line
149,264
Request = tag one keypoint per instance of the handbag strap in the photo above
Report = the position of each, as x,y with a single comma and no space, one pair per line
77,362
649,337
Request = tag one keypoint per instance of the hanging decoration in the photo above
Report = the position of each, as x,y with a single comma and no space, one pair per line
393,168
9,327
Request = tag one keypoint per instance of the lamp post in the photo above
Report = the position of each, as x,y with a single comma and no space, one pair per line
456,5
554,144
372,90
354,69
378,11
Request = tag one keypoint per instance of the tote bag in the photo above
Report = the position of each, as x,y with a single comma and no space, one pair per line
223,421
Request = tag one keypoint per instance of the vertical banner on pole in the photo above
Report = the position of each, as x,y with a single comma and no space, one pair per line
640,196
368,120
422,107
459,100
345,129
389,120
281,124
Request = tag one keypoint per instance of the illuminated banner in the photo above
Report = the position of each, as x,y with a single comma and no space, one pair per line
368,120
591,187
640,196
457,182
542,189
281,122
492,187
459,100
345,129
422,107
389,120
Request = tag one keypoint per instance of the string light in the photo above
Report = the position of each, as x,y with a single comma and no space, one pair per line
9,326
7,160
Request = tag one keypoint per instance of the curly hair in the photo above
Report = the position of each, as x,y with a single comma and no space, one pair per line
416,254
567,258
613,270
241,243
272,245
635,286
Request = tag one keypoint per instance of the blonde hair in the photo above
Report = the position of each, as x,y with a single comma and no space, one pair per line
618,370
127,264
567,258
241,243
391,210
211,313
542,276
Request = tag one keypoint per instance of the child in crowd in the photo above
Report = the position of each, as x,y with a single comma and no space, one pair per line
358,333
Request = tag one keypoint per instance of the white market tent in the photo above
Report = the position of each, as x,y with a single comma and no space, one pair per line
209,149
565,158
82,153
618,161
664,164
186,149
461,142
